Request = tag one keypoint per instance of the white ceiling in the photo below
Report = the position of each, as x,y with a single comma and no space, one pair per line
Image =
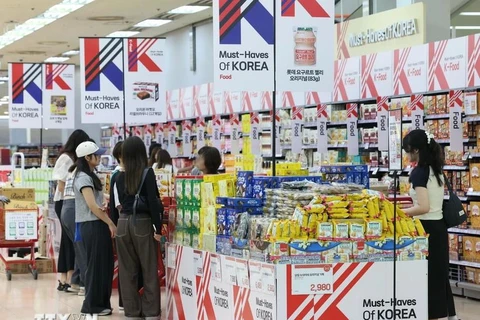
460,20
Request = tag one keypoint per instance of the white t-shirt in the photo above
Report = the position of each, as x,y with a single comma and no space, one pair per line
424,177
168,168
60,173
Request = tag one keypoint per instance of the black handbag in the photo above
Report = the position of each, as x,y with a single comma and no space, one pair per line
453,211
141,202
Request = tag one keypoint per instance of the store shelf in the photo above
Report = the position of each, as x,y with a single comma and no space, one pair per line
474,155
465,263
337,123
337,145
378,169
475,232
310,125
463,199
473,118
473,194
448,140
367,146
455,168
370,121
437,116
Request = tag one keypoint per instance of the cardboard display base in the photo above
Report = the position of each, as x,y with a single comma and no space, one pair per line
359,290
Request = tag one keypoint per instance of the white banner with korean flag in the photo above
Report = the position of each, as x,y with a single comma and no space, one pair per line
25,92
455,103
58,96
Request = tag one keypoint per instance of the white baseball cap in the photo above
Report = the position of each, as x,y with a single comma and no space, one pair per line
87,148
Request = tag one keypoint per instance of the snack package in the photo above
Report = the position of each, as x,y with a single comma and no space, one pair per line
357,230
221,222
195,217
340,230
180,218
187,217
196,192
373,228
324,230
244,184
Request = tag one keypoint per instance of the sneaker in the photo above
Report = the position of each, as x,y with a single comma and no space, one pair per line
61,286
72,288
105,312
81,292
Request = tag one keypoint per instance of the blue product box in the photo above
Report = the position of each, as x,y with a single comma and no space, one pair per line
224,245
231,220
244,184
221,221
222,200
249,210
259,186
244,202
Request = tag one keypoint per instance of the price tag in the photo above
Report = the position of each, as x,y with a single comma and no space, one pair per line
268,278
367,145
171,256
256,282
242,273
312,279
198,262
229,273
215,267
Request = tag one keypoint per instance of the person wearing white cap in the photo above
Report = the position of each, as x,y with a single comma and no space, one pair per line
96,231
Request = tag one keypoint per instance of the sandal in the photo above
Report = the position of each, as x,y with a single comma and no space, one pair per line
61,286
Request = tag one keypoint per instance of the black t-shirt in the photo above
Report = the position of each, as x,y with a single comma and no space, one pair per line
419,177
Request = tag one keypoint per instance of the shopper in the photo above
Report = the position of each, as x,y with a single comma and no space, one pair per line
152,154
427,193
96,230
209,160
164,161
136,240
194,169
69,281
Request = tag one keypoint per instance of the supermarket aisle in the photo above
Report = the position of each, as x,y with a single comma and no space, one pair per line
23,297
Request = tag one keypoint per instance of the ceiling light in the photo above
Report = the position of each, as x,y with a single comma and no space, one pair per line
56,59
470,13
3,102
5,112
466,27
2,82
3,78
188,9
5,98
71,53
122,34
152,23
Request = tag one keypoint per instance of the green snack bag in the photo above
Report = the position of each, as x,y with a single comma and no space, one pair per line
196,218
196,192
180,218
187,217
179,193
187,189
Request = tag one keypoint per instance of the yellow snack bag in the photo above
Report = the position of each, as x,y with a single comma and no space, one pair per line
358,216
357,210
285,229
355,197
357,230
324,230
373,228
419,226
337,211
337,204
359,203
340,230
339,216
376,205
334,198
411,227
315,208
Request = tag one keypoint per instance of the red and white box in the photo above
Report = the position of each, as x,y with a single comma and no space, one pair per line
347,79
410,68
218,103
447,64
186,102
145,91
377,75
473,63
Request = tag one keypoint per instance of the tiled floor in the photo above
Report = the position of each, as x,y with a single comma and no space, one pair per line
22,298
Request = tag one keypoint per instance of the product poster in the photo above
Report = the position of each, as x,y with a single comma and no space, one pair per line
304,48
144,80
252,101
352,131
243,44
185,102
200,132
289,99
159,133
255,133
376,78
382,123
347,79
21,225
417,107
235,138
233,102
187,138
25,91
410,68
470,102
267,102
473,63
297,129
200,100
58,96
101,80
217,132
115,135
455,104
322,138
447,64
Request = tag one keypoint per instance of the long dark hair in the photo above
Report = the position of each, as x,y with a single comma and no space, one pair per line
82,166
153,155
163,158
78,136
211,159
117,151
430,153
134,160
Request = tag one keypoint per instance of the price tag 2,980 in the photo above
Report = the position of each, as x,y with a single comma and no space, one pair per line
198,262
312,279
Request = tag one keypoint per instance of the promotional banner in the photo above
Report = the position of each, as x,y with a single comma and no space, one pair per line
304,48
233,102
376,79
25,91
144,80
297,128
347,79
352,131
172,140
255,133
235,138
410,68
252,101
147,135
186,102
314,98
382,123
322,119
473,60
58,96
200,100
447,64
101,80
159,133
455,103
187,138
243,43
200,132
289,99
217,132
218,102
417,107
267,101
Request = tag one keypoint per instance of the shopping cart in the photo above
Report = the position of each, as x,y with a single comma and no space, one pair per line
19,229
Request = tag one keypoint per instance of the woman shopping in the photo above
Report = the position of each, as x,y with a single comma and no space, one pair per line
139,228
427,180
69,281
96,230
208,160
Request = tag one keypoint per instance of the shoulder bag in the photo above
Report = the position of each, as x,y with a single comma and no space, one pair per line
453,211
141,202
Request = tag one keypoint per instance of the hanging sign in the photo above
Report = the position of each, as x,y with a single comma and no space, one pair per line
147,135
185,102
455,103
278,122
347,79
200,133
304,48
255,133
25,91
235,141
417,107
352,131
173,112
267,103
58,96
322,119
243,45
144,80
217,132
473,67
312,279
218,102
297,127
376,79
382,123
233,102
200,100
470,102
252,101
187,138
447,64
101,80
314,98
172,140
410,68
159,133
138,132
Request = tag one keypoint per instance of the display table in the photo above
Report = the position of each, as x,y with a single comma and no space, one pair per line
222,287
